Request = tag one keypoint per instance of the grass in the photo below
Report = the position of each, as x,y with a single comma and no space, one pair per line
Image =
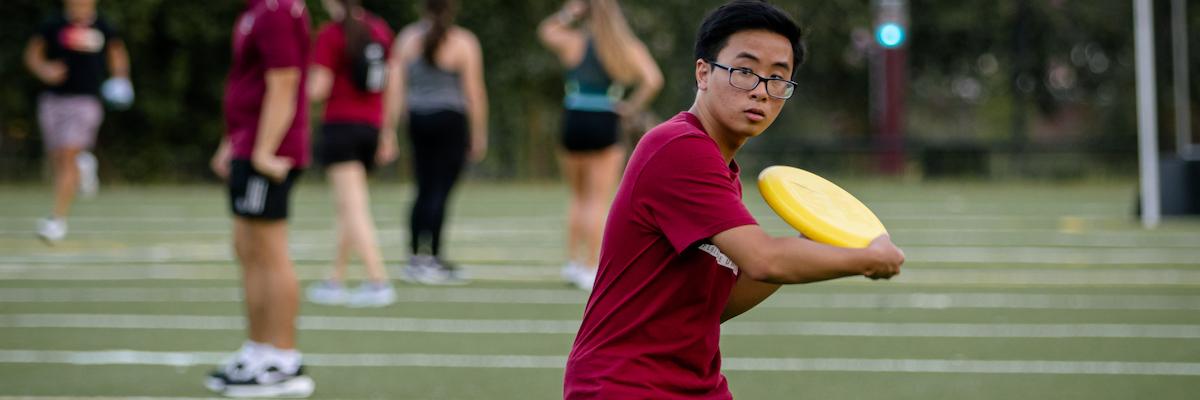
1001,264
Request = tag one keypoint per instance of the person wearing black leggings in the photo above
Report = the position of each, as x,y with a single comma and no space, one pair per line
441,70
439,143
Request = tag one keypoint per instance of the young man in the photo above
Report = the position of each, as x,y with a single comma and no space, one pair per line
71,54
681,253
265,147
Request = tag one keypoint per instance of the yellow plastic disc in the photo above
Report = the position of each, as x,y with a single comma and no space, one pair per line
818,208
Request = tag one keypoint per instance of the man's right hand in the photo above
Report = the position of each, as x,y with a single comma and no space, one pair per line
52,72
220,161
886,258
274,167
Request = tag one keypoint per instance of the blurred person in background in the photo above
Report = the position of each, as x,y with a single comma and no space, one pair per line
264,150
349,73
71,54
603,60
443,97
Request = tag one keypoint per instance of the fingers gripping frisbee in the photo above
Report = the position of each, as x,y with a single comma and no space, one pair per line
818,208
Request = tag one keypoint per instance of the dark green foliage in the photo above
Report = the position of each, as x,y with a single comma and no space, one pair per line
180,53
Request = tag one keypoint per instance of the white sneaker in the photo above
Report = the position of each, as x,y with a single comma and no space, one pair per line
51,229
89,183
585,278
328,293
250,374
569,271
427,270
371,294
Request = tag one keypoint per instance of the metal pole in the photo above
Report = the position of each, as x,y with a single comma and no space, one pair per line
1183,106
892,80
1143,21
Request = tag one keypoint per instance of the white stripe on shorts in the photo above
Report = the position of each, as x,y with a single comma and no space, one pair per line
255,198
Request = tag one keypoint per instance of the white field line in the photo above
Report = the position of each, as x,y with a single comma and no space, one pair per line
181,359
106,398
920,275
317,250
560,216
570,327
919,301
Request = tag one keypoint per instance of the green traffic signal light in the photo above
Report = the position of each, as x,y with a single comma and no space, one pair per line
890,35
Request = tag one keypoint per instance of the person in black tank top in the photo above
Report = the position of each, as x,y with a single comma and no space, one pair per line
603,59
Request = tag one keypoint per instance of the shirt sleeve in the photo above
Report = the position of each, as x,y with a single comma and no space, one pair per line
276,35
108,29
328,48
688,193
48,31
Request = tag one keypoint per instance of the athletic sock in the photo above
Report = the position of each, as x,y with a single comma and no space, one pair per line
287,360
252,349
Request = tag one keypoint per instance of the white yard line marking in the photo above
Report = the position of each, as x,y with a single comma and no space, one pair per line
918,301
182,359
71,271
570,326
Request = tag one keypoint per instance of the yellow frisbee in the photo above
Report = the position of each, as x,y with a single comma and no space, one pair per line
818,208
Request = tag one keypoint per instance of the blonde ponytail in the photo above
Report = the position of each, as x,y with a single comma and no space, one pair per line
615,42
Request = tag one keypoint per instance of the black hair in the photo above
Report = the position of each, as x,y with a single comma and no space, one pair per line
354,28
441,14
744,15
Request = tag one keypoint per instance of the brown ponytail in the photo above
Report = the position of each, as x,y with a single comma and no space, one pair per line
355,28
441,16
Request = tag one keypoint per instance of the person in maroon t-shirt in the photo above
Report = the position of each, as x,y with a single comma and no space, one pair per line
264,150
681,253
349,73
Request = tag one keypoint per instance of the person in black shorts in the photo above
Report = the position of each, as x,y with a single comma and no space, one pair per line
603,58
265,147
348,59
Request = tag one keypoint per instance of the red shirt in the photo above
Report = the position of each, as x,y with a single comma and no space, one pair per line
270,34
346,103
653,323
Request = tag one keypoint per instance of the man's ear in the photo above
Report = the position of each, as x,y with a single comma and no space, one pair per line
702,71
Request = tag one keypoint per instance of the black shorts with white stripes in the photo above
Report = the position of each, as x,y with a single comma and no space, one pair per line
253,195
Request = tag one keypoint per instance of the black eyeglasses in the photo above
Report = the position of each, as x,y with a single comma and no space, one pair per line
745,79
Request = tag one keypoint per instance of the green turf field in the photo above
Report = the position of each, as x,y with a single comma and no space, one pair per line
1011,291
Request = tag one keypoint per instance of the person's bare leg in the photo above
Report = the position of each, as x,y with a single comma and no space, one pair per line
344,240
602,172
573,169
254,280
278,281
354,216
66,179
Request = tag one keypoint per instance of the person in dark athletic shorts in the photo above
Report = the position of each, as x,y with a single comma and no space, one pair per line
264,149
603,59
348,73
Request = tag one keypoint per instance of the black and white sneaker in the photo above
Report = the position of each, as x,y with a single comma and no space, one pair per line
244,380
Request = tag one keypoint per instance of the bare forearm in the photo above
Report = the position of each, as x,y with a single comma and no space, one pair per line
650,81
391,101
118,60
278,111
479,117
34,57
798,260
